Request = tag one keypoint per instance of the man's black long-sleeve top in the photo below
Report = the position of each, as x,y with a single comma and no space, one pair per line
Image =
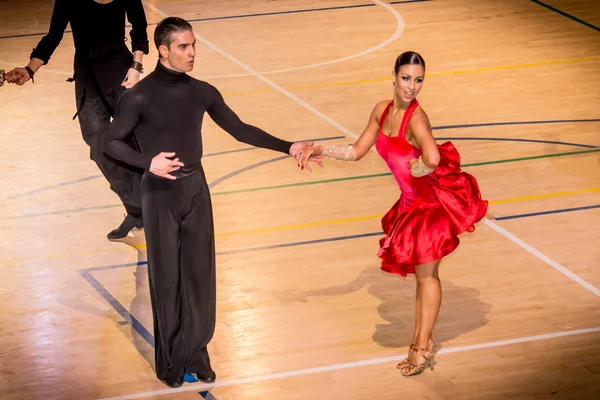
99,37
165,110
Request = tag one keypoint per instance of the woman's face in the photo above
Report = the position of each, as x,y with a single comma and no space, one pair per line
409,81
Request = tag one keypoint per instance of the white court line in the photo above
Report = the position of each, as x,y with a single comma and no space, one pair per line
542,256
397,33
337,367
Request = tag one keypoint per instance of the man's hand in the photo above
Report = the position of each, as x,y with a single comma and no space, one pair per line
296,152
161,165
133,77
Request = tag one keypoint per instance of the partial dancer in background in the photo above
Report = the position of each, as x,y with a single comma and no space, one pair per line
104,69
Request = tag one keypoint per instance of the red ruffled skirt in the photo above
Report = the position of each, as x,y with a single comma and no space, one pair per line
449,204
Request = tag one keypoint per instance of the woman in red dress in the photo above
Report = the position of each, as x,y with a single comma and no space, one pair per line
438,200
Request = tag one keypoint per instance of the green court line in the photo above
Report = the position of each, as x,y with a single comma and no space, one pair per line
564,14
350,178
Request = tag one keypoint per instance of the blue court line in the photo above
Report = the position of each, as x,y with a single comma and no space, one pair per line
245,169
587,146
130,319
564,14
127,316
564,210
539,122
58,185
220,153
246,16
207,395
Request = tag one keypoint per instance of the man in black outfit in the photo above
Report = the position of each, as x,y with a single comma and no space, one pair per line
104,68
166,111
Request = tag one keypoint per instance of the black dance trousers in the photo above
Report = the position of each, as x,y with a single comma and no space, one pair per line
178,222
94,119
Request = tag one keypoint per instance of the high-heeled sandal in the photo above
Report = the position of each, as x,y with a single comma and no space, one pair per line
433,349
404,362
416,369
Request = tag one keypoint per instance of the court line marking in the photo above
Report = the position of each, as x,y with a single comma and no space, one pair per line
521,243
356,364
564,14
541,213
346,131
395,36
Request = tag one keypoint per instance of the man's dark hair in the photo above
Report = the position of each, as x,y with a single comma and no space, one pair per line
168,26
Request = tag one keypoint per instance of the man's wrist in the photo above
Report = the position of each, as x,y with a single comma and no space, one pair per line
30,72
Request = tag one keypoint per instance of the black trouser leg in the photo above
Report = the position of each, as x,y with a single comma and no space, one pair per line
124,179
198,278
179,231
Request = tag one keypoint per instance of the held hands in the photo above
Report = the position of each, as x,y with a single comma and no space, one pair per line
309,153
161,165
299,151
133,77
18,76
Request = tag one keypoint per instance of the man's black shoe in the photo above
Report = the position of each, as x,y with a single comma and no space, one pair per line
173,385
207,377
129,223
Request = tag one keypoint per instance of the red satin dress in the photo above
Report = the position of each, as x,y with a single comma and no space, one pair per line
432,211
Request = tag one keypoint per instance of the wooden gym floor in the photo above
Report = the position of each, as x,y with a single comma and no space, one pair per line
304,311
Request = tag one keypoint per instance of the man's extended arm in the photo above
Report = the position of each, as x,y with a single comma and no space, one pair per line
231,123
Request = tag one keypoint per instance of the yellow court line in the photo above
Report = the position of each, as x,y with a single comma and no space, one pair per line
369,217
299,226
303,225
545,196
465,71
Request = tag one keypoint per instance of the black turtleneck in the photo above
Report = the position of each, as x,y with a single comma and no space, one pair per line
165,111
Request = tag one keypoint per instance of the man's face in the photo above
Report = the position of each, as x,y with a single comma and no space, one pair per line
182,51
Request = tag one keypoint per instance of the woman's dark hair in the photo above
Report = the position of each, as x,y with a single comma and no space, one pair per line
168,26
408,57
